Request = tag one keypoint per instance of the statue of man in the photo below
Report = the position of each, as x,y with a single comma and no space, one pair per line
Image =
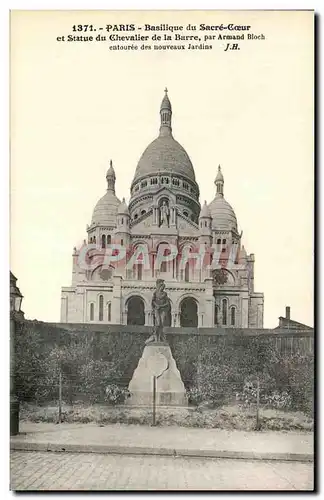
161,308
164,214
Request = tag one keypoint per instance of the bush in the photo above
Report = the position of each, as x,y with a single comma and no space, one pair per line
95,376
230,418
225,374
116,395
213,368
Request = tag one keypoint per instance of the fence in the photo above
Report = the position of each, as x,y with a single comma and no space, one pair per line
242,406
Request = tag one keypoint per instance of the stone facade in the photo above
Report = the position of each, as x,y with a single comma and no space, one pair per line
163,232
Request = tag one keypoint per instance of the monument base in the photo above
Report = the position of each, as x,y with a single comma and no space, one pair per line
170,391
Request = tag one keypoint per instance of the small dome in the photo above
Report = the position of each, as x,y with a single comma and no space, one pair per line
166,104
111,171
105,211
123,208
222,214
219,176
205,212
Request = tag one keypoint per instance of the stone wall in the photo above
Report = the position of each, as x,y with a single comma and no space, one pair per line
114,351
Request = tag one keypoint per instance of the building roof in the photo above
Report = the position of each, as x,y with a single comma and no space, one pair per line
165,154
105,211
221,211
286,322
219,176
123,208
205,212
290,323
222,214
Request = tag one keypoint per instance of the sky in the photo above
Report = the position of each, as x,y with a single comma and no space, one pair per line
75,106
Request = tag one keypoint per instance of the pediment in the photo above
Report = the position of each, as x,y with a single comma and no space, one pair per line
186,227
143,224
165,192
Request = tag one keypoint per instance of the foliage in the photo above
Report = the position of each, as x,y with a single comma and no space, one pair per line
223,373
216,370
115,394
226,417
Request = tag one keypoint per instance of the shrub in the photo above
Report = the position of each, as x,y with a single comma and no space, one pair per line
95,376
213,368
116,395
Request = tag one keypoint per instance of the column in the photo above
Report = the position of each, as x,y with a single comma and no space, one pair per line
173,216
209,304
155,216
116,310
64,309
245,310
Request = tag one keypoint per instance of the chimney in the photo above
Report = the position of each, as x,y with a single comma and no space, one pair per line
287,312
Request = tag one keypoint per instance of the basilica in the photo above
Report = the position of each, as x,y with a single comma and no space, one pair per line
163,233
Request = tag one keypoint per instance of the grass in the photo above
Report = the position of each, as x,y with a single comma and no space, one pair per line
226,417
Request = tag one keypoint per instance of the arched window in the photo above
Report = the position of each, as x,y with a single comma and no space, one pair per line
189,312
122,220
186,214
232,316
224,246
216,318
205,223
108,239
122,242
101,303
224,311
103,241
139,271
187,272
92,311
94,239
135,311
219,241
109,311
90,240
135,216
164,264
143,212
163,268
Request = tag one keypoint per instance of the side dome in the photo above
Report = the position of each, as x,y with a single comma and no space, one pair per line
222,214
105,211
165,154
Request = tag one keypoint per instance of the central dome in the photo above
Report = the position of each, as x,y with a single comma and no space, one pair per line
165,154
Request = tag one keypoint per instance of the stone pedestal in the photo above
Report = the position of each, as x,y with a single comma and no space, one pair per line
170,390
